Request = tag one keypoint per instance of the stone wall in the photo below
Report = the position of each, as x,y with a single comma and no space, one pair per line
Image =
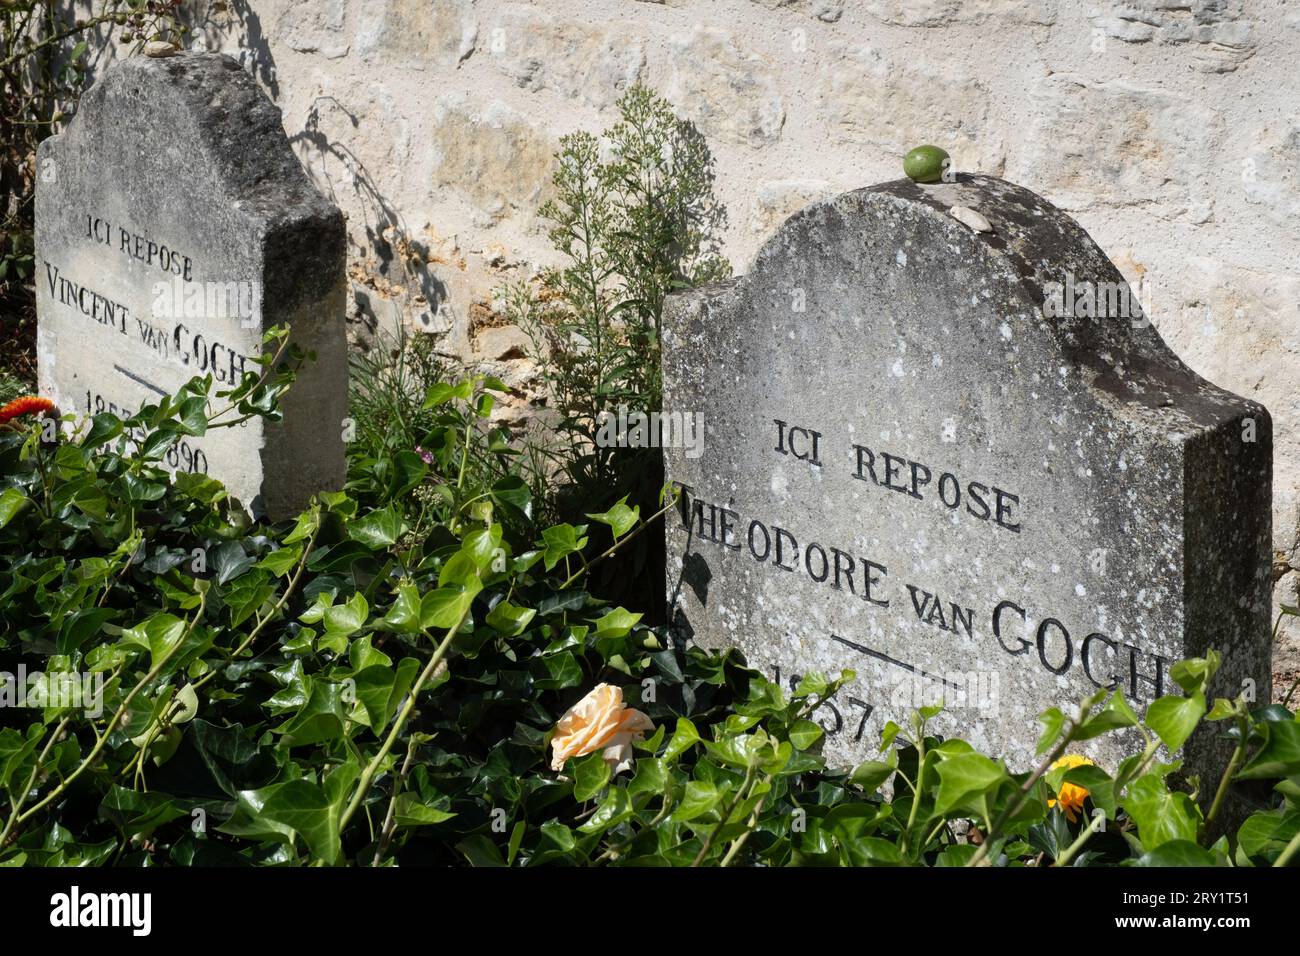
1168,128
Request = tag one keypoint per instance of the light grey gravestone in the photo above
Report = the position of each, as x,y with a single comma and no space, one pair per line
173,228
948,452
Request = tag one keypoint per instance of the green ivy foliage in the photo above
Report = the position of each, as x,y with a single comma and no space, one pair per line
334,690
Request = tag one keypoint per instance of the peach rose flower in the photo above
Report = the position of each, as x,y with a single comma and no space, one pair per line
599,720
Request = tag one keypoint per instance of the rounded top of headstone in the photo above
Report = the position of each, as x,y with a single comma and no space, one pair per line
203,111
981,243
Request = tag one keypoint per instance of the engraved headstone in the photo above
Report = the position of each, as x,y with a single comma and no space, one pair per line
173,228
958,460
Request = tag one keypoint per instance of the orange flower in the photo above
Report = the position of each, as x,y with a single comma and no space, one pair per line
599,720
1072,795
25,405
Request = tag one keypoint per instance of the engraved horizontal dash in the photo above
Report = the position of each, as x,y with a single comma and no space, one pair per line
136,378
879,655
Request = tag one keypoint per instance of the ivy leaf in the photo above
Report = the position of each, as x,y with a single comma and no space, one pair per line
684,737
563,670
590,776
1278,755
1161,815
316,612
1115,715
320,720
559,542
479,850
1053,722
650,776
804,733
303,808
307,522
246,596
1178,853
408,471
405,614
888,734
161,633
957,855
441,393
739,750
701,797
613,810
812,685
1265,834
616,623
514,496
138,814
620,518
1194,674
460,570
232,761
378,530
574,600
1100,786
12,501
964,776
362,653
193,414
281,561
230,561
380,689
15,748
872,774
445,607
80,626
410,812
1174,718
345,619
482,545
510,619
1222,709
103,428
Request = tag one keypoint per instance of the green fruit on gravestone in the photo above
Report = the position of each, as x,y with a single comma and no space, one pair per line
925,164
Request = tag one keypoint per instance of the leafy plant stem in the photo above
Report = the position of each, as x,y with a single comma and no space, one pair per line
1292,848
307,546
618,544
368,775
982,854
16,802
1234,763
916,791
739,842
726,814
1095,824
102,738
390,818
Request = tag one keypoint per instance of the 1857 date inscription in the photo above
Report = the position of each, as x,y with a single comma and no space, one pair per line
181,456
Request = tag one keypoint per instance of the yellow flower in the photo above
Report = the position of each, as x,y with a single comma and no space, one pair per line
1072,795
599,721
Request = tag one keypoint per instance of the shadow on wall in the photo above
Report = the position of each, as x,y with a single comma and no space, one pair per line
402,259
225,20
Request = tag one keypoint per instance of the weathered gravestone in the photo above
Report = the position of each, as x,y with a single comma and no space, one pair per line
954,462
173,227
